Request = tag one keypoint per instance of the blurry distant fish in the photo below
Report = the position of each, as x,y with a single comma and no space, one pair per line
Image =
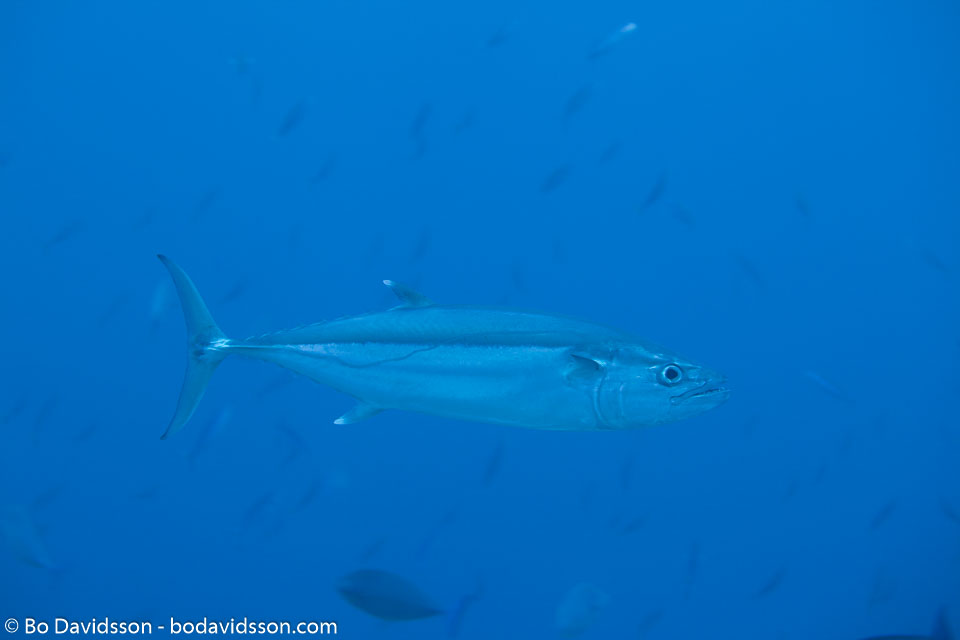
791,491
802,206
459,611
85,434
501,35
609,43
579,609
292,119
587,496
295,444
882,515
206,201
307,497
821,472
518,275
279,381
559,252
422,247
524,369
296,237
241,63
418,128
420,120
555,178
626,473
144,220
47,498
934,261
254,513
146,493
493,465
235,292
377,244
18,407
386,596
372,549
883,590
682,215
750,270
21,536
433,532
655,193
159,302
941,630
46,410
772,584
648,622
846,444
464,123
110,311
941,627
325,170
67,232
610,153
633,525
827,386
213,429
949,511
750,425
576,102
693,567
256,88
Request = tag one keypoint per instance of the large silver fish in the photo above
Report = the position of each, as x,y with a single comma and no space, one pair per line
471,363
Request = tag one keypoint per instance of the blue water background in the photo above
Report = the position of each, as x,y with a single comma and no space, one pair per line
803,241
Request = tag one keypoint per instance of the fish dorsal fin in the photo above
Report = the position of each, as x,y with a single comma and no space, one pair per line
361,411
408,297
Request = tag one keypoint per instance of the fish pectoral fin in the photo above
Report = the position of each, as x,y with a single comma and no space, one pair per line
361,411
584,368
408,297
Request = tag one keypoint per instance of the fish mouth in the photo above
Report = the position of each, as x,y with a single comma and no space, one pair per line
716,393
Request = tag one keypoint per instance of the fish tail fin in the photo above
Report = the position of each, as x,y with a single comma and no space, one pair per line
206,347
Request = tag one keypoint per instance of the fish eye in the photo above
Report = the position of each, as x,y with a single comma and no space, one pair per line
671,374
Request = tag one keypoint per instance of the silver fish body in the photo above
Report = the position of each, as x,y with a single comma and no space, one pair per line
470,363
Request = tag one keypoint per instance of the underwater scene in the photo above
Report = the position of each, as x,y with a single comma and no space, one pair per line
531,320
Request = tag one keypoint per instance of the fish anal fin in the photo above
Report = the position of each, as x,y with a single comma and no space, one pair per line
360,412
407,296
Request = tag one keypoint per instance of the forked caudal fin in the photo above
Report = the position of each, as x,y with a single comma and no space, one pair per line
205,346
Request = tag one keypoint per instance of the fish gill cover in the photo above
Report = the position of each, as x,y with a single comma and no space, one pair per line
768,189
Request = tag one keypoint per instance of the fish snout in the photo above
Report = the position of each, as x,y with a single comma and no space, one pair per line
712,391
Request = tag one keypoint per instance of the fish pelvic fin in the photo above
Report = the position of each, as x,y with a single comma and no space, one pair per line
206,347
361,411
